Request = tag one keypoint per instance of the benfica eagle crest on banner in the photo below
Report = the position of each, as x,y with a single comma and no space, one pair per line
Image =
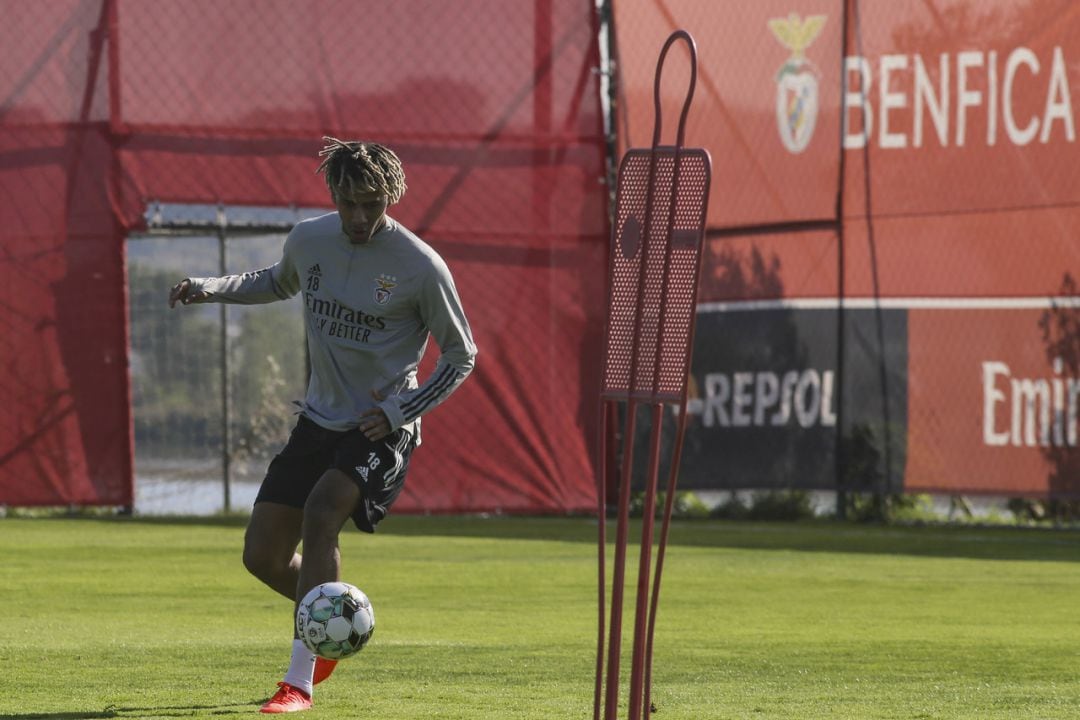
797,80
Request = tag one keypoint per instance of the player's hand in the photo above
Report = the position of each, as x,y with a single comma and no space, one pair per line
374,423
181,292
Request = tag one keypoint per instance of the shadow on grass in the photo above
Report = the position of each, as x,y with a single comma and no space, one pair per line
140,712
976,542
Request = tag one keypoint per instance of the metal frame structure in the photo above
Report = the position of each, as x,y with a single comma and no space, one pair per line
655,259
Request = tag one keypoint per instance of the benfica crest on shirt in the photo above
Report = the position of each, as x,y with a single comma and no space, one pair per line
384,284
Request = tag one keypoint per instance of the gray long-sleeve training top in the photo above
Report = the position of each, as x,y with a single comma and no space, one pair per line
368,310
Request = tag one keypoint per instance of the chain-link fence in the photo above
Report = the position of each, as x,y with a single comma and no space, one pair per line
888,282
108,106
888,297
210,383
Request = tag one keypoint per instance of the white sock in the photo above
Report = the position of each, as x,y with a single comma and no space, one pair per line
301,667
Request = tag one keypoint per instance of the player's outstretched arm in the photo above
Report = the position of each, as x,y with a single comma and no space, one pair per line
182,293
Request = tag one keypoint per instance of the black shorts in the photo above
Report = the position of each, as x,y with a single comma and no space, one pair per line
377,467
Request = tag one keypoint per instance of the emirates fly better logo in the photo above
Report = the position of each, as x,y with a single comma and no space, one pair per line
797,80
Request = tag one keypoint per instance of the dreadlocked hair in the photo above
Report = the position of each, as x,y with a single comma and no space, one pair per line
352,167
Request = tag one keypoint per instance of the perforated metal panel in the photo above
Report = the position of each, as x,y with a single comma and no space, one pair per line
655,255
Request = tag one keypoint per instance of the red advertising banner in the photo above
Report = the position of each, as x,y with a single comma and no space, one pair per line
993,399
957,106
774,165
880,158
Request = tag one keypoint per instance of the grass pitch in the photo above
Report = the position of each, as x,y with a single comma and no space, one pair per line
495,618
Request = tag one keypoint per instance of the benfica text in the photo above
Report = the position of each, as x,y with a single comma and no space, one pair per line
956,99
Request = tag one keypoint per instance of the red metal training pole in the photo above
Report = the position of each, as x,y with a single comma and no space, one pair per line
619,575
640,389
665,525
601,521
641,687
648,518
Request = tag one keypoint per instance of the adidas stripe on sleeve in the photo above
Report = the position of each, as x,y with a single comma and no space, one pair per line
440,308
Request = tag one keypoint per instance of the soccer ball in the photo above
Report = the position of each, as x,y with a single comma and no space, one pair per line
335,620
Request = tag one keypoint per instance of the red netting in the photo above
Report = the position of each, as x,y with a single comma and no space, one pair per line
106,106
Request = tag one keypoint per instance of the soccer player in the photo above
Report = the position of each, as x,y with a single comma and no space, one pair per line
372,292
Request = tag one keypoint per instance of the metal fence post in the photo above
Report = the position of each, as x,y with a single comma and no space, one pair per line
226,395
